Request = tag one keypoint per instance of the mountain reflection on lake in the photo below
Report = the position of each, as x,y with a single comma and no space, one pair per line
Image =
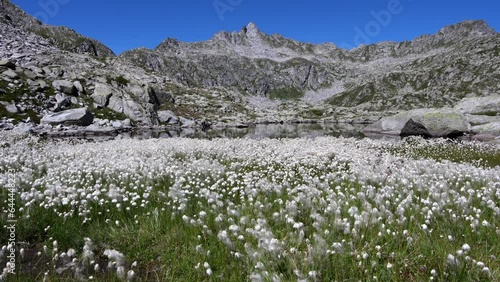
260,131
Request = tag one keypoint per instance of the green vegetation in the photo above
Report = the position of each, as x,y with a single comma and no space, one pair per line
291,93
313,113
17,117
121,81
355,96
11,94
107,113
43,32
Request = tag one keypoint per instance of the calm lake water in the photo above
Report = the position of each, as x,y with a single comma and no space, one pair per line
261,131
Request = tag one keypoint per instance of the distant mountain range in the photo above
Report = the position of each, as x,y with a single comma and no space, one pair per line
244,76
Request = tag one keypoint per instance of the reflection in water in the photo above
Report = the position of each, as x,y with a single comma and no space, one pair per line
261,131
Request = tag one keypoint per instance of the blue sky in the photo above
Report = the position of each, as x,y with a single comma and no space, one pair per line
125,24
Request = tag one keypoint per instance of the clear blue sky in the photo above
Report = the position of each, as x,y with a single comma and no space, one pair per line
126,24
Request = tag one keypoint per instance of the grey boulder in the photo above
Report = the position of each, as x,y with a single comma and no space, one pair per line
79,86
23,128
10,74
117,124
80,117
66,87
8,64
102,94
11,109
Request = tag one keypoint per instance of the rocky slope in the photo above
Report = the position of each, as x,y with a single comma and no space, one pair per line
62,37
238,77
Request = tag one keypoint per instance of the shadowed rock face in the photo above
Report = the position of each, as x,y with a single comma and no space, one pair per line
413,128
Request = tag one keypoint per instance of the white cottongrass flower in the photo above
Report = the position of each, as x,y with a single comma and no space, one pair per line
452,260
120,272
466,248
71,253
115,256
130,275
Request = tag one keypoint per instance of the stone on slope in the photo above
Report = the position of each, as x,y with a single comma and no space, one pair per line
102,94
117,124
186,122
61,102
10,74
79,86
81,117
11,109
437,122
489,105
7,64
443,123
65,87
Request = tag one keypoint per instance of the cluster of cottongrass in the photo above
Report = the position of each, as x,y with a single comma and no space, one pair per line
294,209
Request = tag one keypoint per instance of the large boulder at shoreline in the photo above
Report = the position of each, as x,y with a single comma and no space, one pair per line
426,122
80,117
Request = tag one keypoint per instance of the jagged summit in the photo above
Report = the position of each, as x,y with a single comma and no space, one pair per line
468,28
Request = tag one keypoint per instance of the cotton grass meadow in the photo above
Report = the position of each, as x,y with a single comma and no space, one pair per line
322,209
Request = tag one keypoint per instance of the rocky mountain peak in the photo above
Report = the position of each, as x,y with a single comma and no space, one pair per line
471,28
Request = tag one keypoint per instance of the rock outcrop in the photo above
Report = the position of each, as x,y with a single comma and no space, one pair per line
423,122
80,117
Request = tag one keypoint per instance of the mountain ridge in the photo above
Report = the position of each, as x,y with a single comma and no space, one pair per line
62,37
